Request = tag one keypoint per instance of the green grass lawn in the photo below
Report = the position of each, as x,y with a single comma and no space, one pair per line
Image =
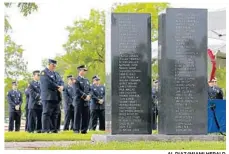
147,145
62,136
192,145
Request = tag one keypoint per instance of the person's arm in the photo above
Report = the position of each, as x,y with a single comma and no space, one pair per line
93,96
220,93
21,98
66,96
10,101
44,78
78,90
33,92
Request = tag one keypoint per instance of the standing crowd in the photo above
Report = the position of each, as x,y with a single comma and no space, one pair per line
83,102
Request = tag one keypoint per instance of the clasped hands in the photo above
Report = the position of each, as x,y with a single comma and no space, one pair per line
60,88
100,101
17,107
87,98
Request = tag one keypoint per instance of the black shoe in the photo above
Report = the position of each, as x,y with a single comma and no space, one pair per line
38,131
76,132
83,132
30,132
55,131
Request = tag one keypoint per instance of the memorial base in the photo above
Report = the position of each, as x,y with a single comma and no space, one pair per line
159,137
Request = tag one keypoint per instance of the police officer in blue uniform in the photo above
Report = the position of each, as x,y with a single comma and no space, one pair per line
214,92
60,82
97,106
26,108
68,107
81,100
49,97
35,106
14,98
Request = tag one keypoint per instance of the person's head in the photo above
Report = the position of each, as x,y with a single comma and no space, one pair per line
52,64
70,79
36,75
96,80
14,85
214,82
211,83
82,70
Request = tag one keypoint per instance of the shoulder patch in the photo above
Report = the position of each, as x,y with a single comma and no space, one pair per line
42,73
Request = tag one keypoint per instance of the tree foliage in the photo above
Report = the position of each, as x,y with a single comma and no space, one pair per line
25,9
86,39
15,65
221,79
153,8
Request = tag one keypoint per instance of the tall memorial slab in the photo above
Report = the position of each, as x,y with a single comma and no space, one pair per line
183,72
128,73
182,77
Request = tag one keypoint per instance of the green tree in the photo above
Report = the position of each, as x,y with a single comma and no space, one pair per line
86,41
221,79
15,65
153,8
25,9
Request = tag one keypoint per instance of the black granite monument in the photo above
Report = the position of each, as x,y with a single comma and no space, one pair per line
128,71
183,72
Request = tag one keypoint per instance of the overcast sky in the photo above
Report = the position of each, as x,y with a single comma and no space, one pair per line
43,33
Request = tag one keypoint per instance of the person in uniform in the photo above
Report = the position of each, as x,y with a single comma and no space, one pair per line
97,104
214,92
14,98
35,106
154,105
49,97
81,99
26,107
68,107
219,91
60,82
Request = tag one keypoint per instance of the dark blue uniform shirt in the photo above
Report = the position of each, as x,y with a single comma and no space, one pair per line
14,98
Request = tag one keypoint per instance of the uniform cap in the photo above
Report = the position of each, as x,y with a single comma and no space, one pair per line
51,61
96,77
82,67
69,77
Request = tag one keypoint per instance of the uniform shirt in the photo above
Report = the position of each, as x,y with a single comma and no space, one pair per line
68,96
215,92
60,82
27,97
81,88
14,98
49,85
35,95
97,92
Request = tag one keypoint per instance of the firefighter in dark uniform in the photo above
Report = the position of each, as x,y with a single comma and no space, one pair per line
26,108
154,105
60,82
49,97
81,100
214,92
97,106
15,101
35,106
68,107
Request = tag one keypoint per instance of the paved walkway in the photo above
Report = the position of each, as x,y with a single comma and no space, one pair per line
39,144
